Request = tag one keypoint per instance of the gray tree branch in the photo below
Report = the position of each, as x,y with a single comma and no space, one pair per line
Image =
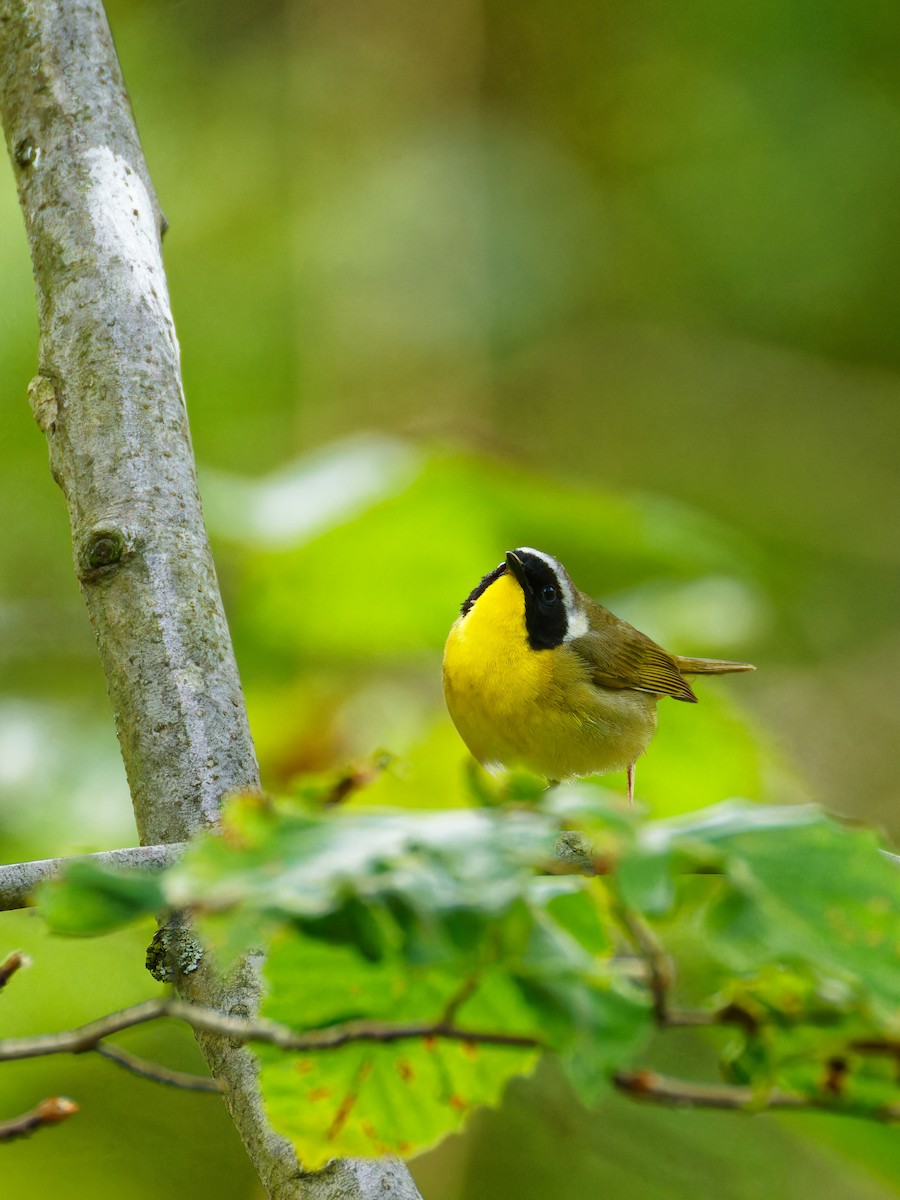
18,881
108,397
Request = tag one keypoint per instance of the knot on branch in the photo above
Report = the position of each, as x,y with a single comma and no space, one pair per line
27,154
104,548
174,952
44,400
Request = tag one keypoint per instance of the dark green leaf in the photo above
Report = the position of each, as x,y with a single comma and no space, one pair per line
90,900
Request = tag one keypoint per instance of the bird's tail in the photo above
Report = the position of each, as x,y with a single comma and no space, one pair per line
710,666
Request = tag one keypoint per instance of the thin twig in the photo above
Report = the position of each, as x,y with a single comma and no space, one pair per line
17,961
333,1036
661,976
85,1037
663,1089
886,1046
687,1018
660,970
156,1071
458,999
239,1029
48,1112
357,777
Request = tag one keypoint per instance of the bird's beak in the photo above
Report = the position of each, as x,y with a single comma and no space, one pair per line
515,565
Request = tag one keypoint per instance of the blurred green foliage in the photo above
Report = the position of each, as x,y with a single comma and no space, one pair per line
395,918
573,274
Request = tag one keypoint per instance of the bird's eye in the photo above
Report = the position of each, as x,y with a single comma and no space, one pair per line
548,593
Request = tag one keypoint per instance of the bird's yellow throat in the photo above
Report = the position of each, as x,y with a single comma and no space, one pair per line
488,657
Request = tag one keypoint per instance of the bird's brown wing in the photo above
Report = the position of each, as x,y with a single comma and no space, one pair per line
619,656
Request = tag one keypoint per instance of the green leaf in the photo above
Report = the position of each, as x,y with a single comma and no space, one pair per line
438,934
615,1024
432,877
647,882
789,922
371,1098
88,900
390,916
796,886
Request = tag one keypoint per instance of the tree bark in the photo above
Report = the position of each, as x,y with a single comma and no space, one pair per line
18,881
108,396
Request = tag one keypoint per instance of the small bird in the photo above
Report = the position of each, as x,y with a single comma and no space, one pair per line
537,674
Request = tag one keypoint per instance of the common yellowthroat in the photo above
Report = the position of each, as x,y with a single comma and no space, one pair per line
538,674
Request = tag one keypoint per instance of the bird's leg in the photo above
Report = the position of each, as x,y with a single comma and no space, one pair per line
629,771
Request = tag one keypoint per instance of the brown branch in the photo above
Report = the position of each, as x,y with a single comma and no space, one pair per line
661,976
660,970
84,1037
889,1047
49,1112
334,1036
359,776
156,1071
17,961
691,1019
239,1029
663,1089
458,999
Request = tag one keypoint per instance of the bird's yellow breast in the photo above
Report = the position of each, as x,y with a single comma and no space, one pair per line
513,704
488,663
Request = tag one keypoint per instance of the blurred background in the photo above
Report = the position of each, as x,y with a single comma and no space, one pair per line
614,280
